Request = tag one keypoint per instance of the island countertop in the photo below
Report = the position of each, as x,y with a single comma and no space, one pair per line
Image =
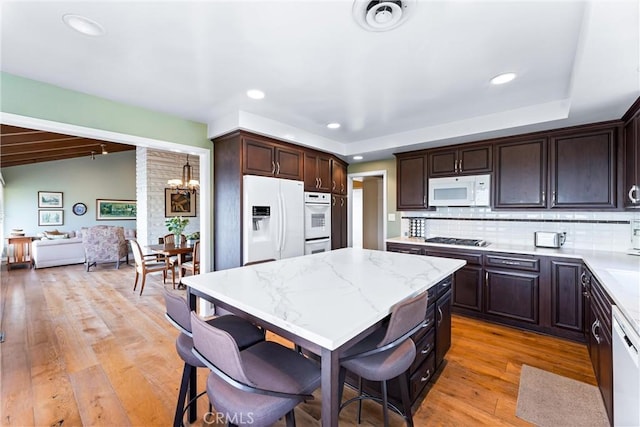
325,297
619,273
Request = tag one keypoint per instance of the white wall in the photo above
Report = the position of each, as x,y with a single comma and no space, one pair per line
356,223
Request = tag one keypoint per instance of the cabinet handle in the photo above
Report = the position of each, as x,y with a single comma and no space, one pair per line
486,278
544,197
584,279
455,166
333,185
441,316
426,324
510,262
425,379
342,188
586,294
553,199
460,165
334,200
636,189
594,326
273,168
341,202
278,171
426,350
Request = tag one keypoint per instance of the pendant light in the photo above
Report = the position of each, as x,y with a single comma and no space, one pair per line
187,184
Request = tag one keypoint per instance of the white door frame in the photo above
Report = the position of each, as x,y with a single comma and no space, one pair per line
350,177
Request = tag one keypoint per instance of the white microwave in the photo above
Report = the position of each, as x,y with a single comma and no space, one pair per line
472,190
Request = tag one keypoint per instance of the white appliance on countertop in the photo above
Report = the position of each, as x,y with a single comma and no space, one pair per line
471,190
273,226
626,373
317,222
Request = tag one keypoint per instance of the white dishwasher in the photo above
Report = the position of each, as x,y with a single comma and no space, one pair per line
626,373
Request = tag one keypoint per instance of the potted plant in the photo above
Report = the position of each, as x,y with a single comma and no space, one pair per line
176,226
191,238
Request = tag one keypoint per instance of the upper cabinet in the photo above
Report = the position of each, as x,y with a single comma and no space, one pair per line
338,177
463,160
411,181
583,168
317,172
521,174
631,188
263,157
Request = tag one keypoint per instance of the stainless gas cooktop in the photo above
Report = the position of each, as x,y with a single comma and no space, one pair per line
457,241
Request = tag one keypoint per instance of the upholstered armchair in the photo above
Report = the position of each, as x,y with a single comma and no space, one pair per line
104,243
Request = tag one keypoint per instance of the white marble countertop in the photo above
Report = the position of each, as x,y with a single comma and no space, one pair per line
619,273
329,297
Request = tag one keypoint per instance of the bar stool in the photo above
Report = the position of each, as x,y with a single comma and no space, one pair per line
179,315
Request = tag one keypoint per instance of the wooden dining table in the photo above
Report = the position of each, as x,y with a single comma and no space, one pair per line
170,249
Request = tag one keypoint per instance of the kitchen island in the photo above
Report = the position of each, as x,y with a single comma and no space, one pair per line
324,302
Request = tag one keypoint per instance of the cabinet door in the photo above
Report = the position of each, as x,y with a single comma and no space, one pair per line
467,288
443,327
411,182
475,160
323,171
338,177
583,170
567,308
338,222
605,361
512,295
521,174
631,187
443,163
289,163
258,158
310,172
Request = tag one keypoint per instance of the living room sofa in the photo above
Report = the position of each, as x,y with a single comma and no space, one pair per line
54,250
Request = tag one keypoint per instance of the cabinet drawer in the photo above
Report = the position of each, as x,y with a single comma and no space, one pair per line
444,286
519,263
423,348
422,376
600,298
404,248
471,258
430,320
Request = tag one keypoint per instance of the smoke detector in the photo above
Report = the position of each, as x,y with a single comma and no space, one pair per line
382,15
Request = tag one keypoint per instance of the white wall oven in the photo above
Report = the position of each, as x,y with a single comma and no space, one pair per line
317,222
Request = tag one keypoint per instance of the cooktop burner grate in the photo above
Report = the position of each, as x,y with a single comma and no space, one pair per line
457,241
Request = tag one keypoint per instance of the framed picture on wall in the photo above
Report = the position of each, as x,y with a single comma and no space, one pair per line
179,203
50,217
115,209
49,199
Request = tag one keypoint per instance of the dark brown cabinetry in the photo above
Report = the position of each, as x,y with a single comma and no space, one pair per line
262,157
463,160
338,177
512,295
317,172
631,187
567,308
467,282
405,249
411,177
338,221
599,339
583,170
520,174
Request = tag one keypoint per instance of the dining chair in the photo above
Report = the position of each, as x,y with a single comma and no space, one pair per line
170,239
387,354
146,264
178,313
256,386
194,265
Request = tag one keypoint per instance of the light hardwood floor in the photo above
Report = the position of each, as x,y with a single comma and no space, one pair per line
84,349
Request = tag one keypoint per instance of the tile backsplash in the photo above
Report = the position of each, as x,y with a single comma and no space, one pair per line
608,231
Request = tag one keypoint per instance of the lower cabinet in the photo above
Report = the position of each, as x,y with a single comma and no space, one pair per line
432,343
513,295
567,308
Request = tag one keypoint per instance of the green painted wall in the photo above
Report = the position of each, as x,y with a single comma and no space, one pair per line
393,227
32,98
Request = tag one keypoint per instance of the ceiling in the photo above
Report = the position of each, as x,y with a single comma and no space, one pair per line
422,84
22,146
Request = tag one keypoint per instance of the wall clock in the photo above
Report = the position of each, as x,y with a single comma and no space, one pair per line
79,209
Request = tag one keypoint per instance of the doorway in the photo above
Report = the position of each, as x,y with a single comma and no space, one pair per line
368,209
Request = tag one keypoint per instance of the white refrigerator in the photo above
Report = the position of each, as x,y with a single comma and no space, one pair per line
273,218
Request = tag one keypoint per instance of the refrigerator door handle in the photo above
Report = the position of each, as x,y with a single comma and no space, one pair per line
283,217
279,229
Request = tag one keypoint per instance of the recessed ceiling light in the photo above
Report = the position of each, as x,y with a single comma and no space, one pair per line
333,125
84,25
255,94
357,157
503,78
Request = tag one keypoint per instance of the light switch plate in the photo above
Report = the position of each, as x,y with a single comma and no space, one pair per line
391,217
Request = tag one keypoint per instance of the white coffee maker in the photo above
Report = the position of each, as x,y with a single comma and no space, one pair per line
635,233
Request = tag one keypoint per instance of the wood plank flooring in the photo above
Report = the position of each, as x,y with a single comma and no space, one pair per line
84,349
